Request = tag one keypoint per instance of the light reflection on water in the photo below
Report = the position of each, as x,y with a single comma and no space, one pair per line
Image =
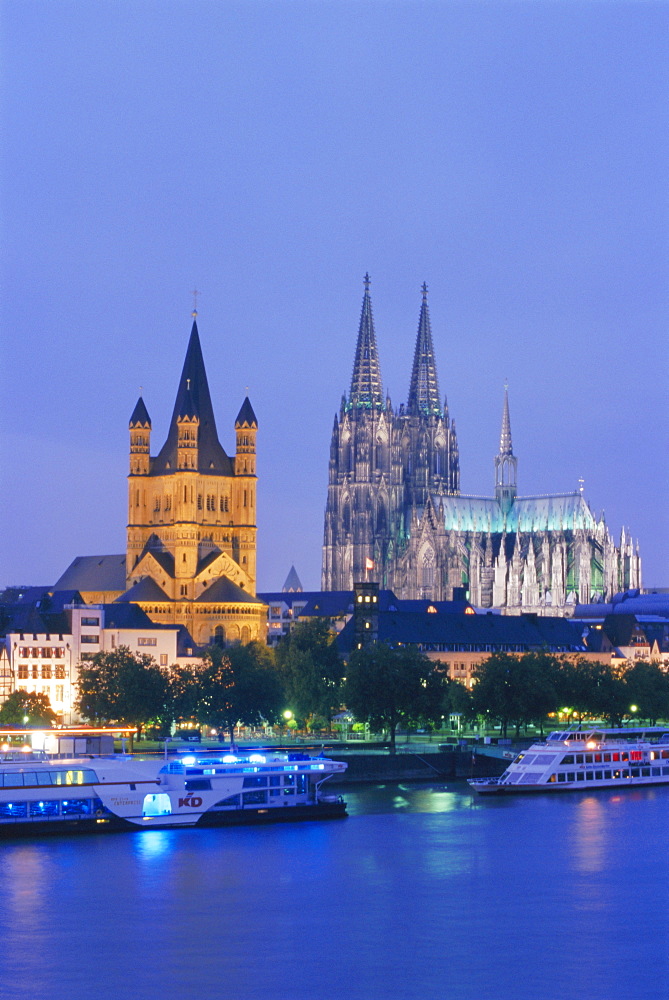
424,892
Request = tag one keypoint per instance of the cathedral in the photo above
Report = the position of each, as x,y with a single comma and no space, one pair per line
395,513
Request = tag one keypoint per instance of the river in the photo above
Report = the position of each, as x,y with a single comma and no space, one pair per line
424,892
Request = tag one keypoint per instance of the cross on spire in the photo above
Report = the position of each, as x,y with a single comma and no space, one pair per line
195,294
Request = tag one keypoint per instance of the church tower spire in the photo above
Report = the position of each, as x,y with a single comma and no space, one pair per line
366,389
424,387
506,463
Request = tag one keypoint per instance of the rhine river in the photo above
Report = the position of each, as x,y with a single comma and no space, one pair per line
424,892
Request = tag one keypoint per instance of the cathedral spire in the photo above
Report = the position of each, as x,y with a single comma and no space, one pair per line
193,402
424,387
506,463
505,446
366,388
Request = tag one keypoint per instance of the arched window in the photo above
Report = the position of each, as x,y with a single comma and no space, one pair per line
219,636
428,569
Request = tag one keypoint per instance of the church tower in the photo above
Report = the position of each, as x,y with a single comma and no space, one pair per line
191,541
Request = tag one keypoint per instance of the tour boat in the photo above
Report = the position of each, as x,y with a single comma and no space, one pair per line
581,760
42,793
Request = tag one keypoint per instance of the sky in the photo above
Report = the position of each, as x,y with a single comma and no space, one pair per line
513,155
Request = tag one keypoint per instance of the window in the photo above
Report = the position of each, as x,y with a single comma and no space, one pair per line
156,502
23,671
59,695
90,639
211,502
199,501
46,672
168,503
35,672
224,504
60,673
90,621
163,659
146,642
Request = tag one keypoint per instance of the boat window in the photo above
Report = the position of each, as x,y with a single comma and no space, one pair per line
274,780
46,808
13,810
615,756
598,758
77,807
302,784
198,785
232,800
568,758
607,757
599,775
580,776
562,776
254,798
255,781
579,758
589,775
588,758
157,804
289,779
571,776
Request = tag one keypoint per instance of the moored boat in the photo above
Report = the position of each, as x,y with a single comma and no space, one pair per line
583,760
40,793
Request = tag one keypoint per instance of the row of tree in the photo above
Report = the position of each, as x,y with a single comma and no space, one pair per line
387,688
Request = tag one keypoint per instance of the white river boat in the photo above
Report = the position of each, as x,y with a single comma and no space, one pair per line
583,760
40,793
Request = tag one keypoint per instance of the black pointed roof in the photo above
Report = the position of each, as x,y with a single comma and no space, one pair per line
366,388
424,386
246,415
193,400
140,415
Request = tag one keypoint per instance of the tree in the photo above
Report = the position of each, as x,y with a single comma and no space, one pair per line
238,685
25,703
387,686
592,688
311,670
647,687
121,686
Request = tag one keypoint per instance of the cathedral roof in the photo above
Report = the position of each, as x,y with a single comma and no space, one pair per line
246,415
557,512
91,573
366,388
194,401
140,415
424,386
224,591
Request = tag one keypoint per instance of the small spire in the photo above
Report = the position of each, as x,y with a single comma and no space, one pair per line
195,294
424,291
505,446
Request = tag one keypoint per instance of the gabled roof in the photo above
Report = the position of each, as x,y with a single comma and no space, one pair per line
193,400
246,415
224,591
93,573
143,591
478,631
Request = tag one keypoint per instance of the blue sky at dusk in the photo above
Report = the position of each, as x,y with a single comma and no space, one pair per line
512,155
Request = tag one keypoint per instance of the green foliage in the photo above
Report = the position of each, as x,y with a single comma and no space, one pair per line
121,686
24,703
592,688
311,670
386,687
516,689
238,685
647,687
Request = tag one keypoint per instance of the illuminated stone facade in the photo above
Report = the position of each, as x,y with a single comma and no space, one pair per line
395,513
191,542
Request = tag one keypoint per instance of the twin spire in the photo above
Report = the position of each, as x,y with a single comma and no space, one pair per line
366,387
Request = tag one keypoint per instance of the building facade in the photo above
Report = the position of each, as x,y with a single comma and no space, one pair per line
191,537
395,512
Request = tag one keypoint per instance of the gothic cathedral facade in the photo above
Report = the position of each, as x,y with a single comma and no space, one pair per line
191,538
395,513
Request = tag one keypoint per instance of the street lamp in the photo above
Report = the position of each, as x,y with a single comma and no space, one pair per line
633,709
